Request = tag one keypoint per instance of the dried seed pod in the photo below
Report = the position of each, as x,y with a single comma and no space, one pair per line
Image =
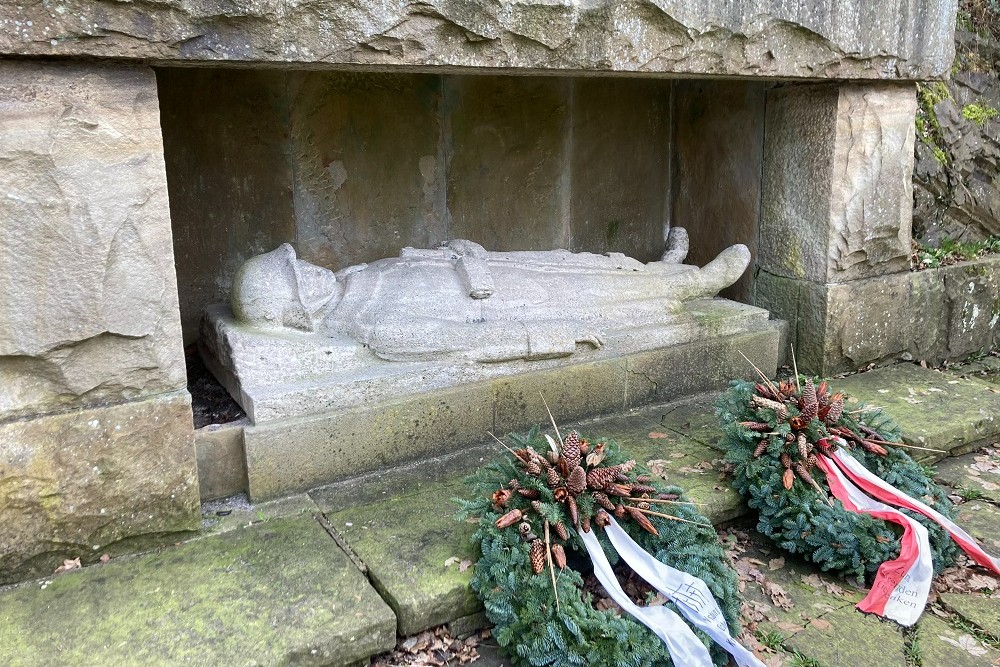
529,493
642,520
765,391
821,392
561,494
559,556
574,516
584,446
620,511
560,530
623,490
577,482
585,524
523,454
786,387
602,518
501,497
603,500
524,528
797,423
553,478
874,448
595,457
531,537
571,450
537,556
809,403
803,446
552,457
761,448
509,519
787,479
642,506
780,409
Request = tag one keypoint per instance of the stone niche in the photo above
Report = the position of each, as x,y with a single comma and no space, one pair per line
351,167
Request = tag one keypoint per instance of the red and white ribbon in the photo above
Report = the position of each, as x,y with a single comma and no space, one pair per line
879,488
901,586
689,593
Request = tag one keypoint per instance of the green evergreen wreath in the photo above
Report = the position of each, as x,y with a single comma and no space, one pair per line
514,578
769,435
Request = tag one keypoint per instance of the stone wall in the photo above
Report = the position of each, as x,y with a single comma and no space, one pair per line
835,39
95,423
351,168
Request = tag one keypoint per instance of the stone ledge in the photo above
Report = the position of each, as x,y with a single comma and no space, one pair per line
277,593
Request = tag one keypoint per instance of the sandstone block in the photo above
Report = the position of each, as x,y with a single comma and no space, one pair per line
88,312
909,39
222,466
82,483
840,209
972,291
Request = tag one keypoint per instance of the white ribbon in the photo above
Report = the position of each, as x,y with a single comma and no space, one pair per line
689,593
685,649
901,586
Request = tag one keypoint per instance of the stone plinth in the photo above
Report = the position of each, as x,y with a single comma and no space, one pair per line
96,448
910,39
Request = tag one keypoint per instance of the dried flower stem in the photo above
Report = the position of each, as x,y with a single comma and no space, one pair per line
548,557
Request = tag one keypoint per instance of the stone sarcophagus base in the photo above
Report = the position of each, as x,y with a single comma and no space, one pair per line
332,395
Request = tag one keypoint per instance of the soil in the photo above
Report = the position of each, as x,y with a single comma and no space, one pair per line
210,401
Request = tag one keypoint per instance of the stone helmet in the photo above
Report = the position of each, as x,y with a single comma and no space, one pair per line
277,291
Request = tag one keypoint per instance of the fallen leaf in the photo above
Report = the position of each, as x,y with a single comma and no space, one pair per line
834,589
820,624
790,628
68,565
980,581
451,561
776,563
778,595
967,643
656,435
464,565
105,558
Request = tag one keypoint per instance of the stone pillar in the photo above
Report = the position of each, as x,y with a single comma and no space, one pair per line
834,242
96,434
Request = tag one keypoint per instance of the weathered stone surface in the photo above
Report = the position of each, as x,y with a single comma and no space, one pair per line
934,409
620,137
842,210
984,612
368,165
101,479
905,38
89,307
225,142
850,639
718,139
978,472
222,468
941,644
972,290
982,521
277,593
508,150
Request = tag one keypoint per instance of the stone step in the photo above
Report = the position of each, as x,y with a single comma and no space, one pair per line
276,592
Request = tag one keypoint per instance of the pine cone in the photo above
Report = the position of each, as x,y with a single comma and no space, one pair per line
513,485
643,488
553,478
532,468
509,519
786,460
537,506
836,409
603,500
780,409
537,556
574,516
598,478
559,556
571,449
643,479
530,494
760,427
821,394
811,461
577,482
560,530
667,496
761,448
803,445
809,402
642,520
786,387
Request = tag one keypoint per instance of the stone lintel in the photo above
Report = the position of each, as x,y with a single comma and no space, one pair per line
112,479
909,39
298,453
837,182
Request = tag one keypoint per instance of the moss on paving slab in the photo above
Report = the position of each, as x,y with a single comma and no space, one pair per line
848,638
941,644
407,542
982,521
277,593
975,475
935,409
980,610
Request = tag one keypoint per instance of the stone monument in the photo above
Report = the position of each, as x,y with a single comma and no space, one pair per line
300,341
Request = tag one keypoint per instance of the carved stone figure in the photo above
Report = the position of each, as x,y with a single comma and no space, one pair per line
460,301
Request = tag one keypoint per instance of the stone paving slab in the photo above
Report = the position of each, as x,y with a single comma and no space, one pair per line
936,409
277,593
850,639
976,474
982,521
983,611
942,644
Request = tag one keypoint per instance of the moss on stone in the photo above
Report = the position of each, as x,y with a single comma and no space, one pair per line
979,114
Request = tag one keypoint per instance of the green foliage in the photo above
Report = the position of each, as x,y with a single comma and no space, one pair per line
927,124
521,604
979,114
953,252
799,520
